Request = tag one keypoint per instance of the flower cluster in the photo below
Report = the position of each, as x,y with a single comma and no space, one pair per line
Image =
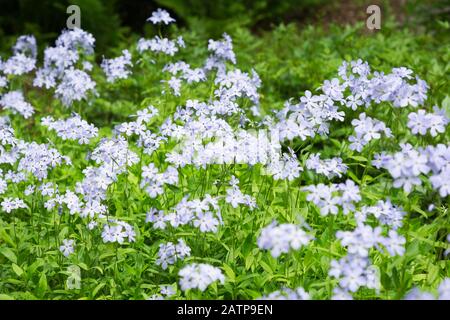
9,204
76,40
409,164
24,58
184,71
329,198
161,16
3,184
163,45
118,231
328,167
7,136
147,139
203,214
309,117
222,51
153,181
114,157
75,85
367,88
117,68
442,294
235,197
384,211
26,45
73,128
285,167
68,247
287,294
367,129
354,270
15,102
199,276
280,238
60,71
421,122
169,253
38,159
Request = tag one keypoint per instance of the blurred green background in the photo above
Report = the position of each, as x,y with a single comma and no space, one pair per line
113,20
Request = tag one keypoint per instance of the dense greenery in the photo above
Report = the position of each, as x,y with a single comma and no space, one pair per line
289,60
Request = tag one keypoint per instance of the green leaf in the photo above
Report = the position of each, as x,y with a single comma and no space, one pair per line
358,158
132,178
433,273
18,270
416,208
63,233
446,105
266,267
83,266
107,255
5,237
5,297
353,176
97,289
42,285
229,272
249,261
9,254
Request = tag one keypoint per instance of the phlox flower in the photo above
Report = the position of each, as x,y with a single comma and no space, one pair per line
67,247
199,276
161,16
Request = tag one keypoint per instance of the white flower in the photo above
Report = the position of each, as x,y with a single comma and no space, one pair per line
117,68
287,294
9,204
199,276
74,86
161,16
281,238
15,101
67,247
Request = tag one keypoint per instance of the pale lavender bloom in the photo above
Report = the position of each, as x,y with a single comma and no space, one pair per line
158,44
67,247
161,16
73,128
206,222
75,39
169,253
287,294
281,238
117,231
199,276
333,89
417,294
10,204
19,64
421,122
74,86
117,68
223,49
168,290
444,289
26,45
15,101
